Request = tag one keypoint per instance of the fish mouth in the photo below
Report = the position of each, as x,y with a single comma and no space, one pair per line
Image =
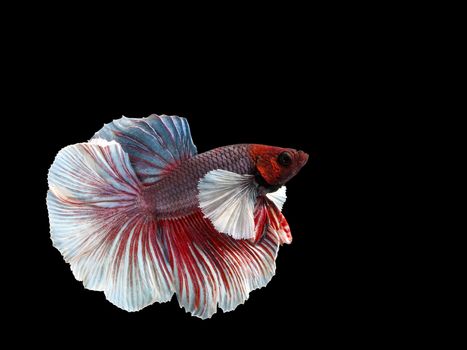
302,158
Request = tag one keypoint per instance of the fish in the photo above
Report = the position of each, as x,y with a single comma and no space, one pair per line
138,214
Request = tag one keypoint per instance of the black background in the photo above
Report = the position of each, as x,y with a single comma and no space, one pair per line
309,87
313,285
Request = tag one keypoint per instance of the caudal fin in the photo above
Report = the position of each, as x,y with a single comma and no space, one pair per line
98,224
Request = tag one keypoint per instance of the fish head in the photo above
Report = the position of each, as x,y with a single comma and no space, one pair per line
277,165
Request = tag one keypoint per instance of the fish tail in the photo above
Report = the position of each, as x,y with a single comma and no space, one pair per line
98,224
98,218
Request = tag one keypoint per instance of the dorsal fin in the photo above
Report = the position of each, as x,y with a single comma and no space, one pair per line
154,144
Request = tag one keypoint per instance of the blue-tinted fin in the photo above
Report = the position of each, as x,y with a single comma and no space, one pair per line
98,225
154,144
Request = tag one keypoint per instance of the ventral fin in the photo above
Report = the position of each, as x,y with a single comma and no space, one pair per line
154,144
268,216
278,197
228,200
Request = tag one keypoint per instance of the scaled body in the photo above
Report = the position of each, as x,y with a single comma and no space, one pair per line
176,194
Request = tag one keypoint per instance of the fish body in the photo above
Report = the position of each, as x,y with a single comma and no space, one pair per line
176,194
140,215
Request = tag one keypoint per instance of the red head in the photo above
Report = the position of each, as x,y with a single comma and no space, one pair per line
277,165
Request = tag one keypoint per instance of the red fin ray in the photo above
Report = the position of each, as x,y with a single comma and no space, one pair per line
213,269
98,226
268,216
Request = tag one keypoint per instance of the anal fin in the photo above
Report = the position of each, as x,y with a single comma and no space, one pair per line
211,268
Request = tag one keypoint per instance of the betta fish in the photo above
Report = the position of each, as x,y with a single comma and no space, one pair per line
140,215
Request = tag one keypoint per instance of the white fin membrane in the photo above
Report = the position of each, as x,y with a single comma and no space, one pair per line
228,200
96,223
278,197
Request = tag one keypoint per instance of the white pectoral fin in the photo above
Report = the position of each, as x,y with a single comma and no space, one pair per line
228,200
278,197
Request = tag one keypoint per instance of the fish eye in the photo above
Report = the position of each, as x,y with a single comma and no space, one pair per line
284,159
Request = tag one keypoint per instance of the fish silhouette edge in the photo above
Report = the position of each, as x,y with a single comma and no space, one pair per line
101,222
